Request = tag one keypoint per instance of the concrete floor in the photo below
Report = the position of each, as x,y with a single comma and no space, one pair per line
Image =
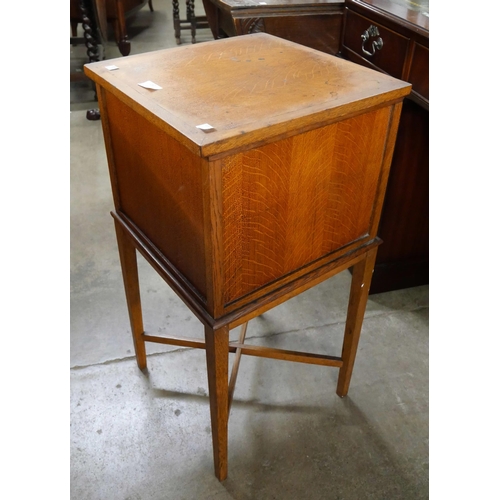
137,436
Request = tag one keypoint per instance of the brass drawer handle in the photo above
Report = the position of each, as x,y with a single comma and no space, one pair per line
376,44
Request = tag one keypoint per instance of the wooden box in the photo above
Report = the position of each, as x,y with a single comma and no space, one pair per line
290,177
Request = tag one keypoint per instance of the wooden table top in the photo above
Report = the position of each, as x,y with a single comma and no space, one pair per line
251,89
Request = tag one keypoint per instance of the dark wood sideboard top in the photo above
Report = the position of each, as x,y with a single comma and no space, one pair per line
410,14
252,4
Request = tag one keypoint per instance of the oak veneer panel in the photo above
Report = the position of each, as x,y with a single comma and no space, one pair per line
159,185
292,202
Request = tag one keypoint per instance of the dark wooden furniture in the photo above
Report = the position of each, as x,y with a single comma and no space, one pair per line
116,13
255,172
93,18
92,14
192,22
313,23
403,259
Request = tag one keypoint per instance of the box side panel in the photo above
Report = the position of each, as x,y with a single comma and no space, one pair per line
292,202
159,187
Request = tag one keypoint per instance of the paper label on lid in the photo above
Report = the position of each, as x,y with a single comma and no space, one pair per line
206,127
150,85
111,67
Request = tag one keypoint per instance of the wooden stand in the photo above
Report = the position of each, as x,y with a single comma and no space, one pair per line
255,172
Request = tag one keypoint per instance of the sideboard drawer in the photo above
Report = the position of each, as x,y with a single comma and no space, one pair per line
392,47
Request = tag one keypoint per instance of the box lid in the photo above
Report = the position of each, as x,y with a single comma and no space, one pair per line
248,89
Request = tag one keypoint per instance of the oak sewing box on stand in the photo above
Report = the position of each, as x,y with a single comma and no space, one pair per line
246,171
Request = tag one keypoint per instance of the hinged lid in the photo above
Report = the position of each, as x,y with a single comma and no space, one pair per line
243,90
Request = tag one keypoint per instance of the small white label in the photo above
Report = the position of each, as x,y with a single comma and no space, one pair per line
150,85
206,127
111,67
262,3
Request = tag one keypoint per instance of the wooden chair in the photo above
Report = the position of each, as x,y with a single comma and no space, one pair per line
192,21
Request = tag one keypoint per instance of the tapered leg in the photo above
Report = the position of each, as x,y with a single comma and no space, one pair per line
217,345
128,260
360,286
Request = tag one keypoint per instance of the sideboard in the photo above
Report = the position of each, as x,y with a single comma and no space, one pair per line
313,23
392,38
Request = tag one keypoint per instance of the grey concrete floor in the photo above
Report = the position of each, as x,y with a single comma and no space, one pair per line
137,436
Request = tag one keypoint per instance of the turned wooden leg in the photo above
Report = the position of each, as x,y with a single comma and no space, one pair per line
360,286
217,345
177,21
128,260
89,31
191,18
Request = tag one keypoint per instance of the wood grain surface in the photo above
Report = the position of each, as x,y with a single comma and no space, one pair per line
159,187
292,202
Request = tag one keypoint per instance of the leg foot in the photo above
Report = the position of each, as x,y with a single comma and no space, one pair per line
93,114
124,46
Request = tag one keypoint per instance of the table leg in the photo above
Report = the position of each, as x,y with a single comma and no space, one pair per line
217,346
92,37
120,28
128,260
360,286
191,18
177,21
